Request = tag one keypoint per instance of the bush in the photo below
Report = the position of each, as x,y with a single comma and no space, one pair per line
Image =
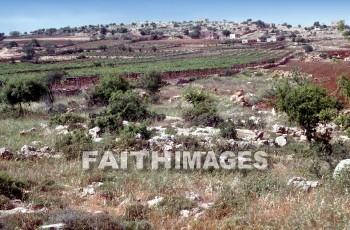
10,187
256,185
73,144
107,122
136,212
151,82
129,106
308,48
18,91
228,202
173,205
207,119
4,203
197,110
128,136
304,103
106,87
327,115
195,95
344,122
228,130
78,220
66,119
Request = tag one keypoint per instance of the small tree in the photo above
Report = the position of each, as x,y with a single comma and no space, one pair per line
304,103
341,26
11,44
15,33
51,79
29,50
308,48
226,33
103,31
195,34
151,82
19,91
103,48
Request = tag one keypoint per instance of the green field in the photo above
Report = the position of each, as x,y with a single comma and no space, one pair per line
140,65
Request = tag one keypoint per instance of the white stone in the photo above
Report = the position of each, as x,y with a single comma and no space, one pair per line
194,197
281,141
27,149
343,165
155,201
302,183
53,226
185,213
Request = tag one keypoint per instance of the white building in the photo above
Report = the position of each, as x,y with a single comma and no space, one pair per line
234,36
272,40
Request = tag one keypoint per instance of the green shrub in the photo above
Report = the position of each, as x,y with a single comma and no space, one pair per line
66,119
107,122
257,184
197,110
228,202
24,90
344,122
127,137
151,82
10,187
21,221
78,220
136,212
137,225
327,115
303,104
4,202
129,106
195,95
207,119
188,142
173,205
73,144
106,87
228,130
170,130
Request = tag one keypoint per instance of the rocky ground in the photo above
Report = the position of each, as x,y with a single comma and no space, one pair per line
301,188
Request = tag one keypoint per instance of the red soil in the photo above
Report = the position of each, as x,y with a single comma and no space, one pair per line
324,73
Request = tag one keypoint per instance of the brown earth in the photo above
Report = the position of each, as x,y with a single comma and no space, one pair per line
325,73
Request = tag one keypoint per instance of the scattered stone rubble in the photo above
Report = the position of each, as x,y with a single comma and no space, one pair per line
303,184
239,98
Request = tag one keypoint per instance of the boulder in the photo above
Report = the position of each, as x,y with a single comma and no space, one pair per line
343,165
279,129
95,132
281,141
5,153
28,149
62,129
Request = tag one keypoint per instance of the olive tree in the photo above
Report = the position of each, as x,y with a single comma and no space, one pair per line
19,91
305,104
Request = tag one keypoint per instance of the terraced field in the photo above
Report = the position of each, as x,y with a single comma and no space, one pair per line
139,65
